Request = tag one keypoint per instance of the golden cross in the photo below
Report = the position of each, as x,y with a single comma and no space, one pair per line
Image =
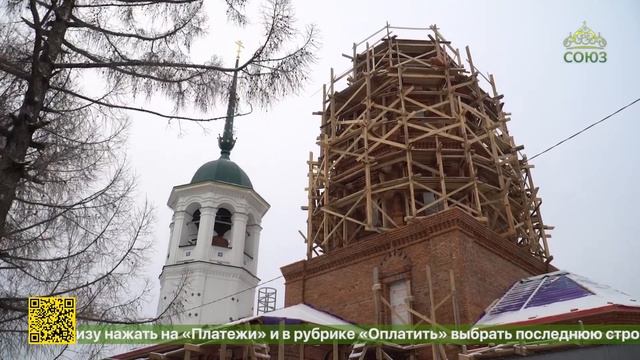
240,47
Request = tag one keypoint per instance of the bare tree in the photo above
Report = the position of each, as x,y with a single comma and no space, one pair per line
68,221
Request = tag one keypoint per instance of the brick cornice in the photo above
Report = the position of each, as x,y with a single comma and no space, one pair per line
418,231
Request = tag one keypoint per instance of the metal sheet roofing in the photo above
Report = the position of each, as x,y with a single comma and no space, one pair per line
552,294
298,313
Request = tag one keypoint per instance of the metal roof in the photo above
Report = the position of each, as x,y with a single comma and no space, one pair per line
222,170
552,294
298,313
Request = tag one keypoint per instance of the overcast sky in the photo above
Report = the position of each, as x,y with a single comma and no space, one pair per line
588,185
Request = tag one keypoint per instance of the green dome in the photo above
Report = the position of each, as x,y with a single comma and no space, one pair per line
222,170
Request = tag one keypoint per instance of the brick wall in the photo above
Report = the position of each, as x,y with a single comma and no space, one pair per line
483,263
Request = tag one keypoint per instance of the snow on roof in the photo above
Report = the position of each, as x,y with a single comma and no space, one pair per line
299,313
552,294
296,314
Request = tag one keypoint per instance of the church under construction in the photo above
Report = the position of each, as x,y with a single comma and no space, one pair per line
422,209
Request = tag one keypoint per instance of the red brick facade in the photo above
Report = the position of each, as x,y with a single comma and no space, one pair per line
484,267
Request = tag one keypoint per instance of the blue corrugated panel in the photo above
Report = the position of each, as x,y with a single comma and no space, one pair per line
556,289
516,297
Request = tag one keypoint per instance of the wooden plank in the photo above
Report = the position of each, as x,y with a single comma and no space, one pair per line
310,204
281,342
222,352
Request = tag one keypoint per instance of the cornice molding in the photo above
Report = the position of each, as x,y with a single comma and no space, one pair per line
207,268
422,230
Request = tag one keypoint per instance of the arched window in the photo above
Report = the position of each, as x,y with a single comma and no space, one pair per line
189,234
221,227
193,226
429,198
396,208
196,218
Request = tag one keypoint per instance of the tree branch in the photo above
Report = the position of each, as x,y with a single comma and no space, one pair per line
124,107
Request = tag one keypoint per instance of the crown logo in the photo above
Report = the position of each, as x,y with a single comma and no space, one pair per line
584,38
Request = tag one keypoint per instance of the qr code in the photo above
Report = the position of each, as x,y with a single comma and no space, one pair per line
52,320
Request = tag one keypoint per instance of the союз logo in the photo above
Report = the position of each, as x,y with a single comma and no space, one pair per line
585,46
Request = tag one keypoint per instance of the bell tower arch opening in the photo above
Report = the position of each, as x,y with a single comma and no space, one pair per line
221,228
190,225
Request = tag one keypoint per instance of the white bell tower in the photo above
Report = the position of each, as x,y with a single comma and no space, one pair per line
214,239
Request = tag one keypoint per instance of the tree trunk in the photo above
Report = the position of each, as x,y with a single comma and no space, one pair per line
12,161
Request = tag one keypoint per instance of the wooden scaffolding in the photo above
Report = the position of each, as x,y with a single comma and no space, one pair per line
411,133
391,351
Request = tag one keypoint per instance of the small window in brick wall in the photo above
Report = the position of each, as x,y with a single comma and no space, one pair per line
399,293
